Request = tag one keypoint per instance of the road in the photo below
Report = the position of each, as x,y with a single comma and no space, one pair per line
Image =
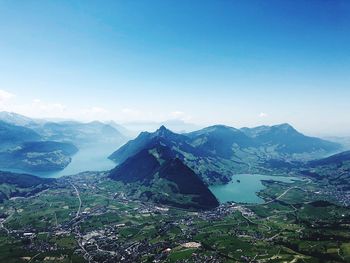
78,195
281,195
77,232
3,222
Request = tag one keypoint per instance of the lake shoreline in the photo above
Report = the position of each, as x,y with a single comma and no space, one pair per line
244,188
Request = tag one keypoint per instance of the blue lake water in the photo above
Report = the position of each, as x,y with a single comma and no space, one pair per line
88,158
246,190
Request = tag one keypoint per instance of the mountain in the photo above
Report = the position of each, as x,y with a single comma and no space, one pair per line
24,185
287,140
210,166
12,135
75,132
16,119
40,145
38,156
336,159
23,148
219,140
80,134
147,140
164,178
124,131
344,141
332,172
217,152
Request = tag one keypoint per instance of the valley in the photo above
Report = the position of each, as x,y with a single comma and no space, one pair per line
219,194
89,217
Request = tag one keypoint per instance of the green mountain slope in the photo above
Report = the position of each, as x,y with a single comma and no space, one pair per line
21,185
164,178
38,156
332,172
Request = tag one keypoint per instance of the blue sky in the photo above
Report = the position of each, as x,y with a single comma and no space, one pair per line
241,63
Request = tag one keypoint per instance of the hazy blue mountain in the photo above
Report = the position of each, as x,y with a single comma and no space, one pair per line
219,140
344,141
24,185
16,119
51,143
67,131
13,135
81,133
124,131
287,140
164,178
336,159
23,148
38,156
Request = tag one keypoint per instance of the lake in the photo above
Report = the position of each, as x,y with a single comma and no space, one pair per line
246,190
88,158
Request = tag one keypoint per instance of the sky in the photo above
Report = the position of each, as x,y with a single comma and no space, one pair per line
239,63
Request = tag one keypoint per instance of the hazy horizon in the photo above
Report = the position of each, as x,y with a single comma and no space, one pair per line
176,125
201,62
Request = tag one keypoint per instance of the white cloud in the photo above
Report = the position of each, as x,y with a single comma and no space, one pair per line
5,96
41,108
179,115
93,113
36,108
48,108
132,114
143,115
130,111
96,110
263,115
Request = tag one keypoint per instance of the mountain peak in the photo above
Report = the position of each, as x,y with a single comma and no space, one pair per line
285,127
163,131
215,129
182,187
220,127
162,128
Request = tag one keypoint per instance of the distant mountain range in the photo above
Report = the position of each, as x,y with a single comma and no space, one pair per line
75,132
12,135
79,133
38,156
288,140
336,159
17,119
39,145
23,148
344,141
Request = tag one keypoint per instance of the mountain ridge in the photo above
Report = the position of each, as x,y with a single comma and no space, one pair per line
217,152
